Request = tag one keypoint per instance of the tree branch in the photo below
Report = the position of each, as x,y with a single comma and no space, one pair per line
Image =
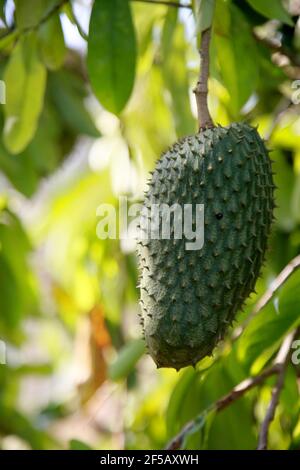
201,90
282,362
244,387
292,266
222,403
164,2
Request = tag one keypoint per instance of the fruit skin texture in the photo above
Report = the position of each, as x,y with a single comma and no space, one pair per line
189,298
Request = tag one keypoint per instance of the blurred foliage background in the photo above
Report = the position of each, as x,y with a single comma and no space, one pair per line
88,111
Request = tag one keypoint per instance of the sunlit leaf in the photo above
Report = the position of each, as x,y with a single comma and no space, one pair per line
127,359
7,40
31,369
14,271
24,97
204,11
51,43
31,12
175,74
111,53
11,305
221,19
235,66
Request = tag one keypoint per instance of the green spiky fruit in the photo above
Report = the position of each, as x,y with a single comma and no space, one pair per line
189,298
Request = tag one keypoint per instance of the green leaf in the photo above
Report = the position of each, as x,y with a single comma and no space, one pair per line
295,203
49,137
68,93
111,53
272,9
225,430
24,95
127,359
265,332
199,427
14,422
209,419
204,14
11,305
289,398
68,10
25,169
14,271
2,11
175,74
195,393
19,171
8,39
31,369
184,383
236,67
76,444
52,43
30,13
221,20
284,179
289,297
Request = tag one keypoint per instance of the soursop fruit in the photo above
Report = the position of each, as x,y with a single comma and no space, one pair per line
190,297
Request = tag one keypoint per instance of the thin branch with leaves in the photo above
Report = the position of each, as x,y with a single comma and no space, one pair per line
237,392
15,33
282,359
278,368
282,277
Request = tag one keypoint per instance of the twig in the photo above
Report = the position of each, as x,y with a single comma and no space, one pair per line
48,15
283,106
244,387
292,266
276,46
282,362
278,282
285,59
238,391
44,19
165,2
201,90
279,368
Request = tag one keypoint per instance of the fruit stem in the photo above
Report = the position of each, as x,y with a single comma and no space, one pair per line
201,89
